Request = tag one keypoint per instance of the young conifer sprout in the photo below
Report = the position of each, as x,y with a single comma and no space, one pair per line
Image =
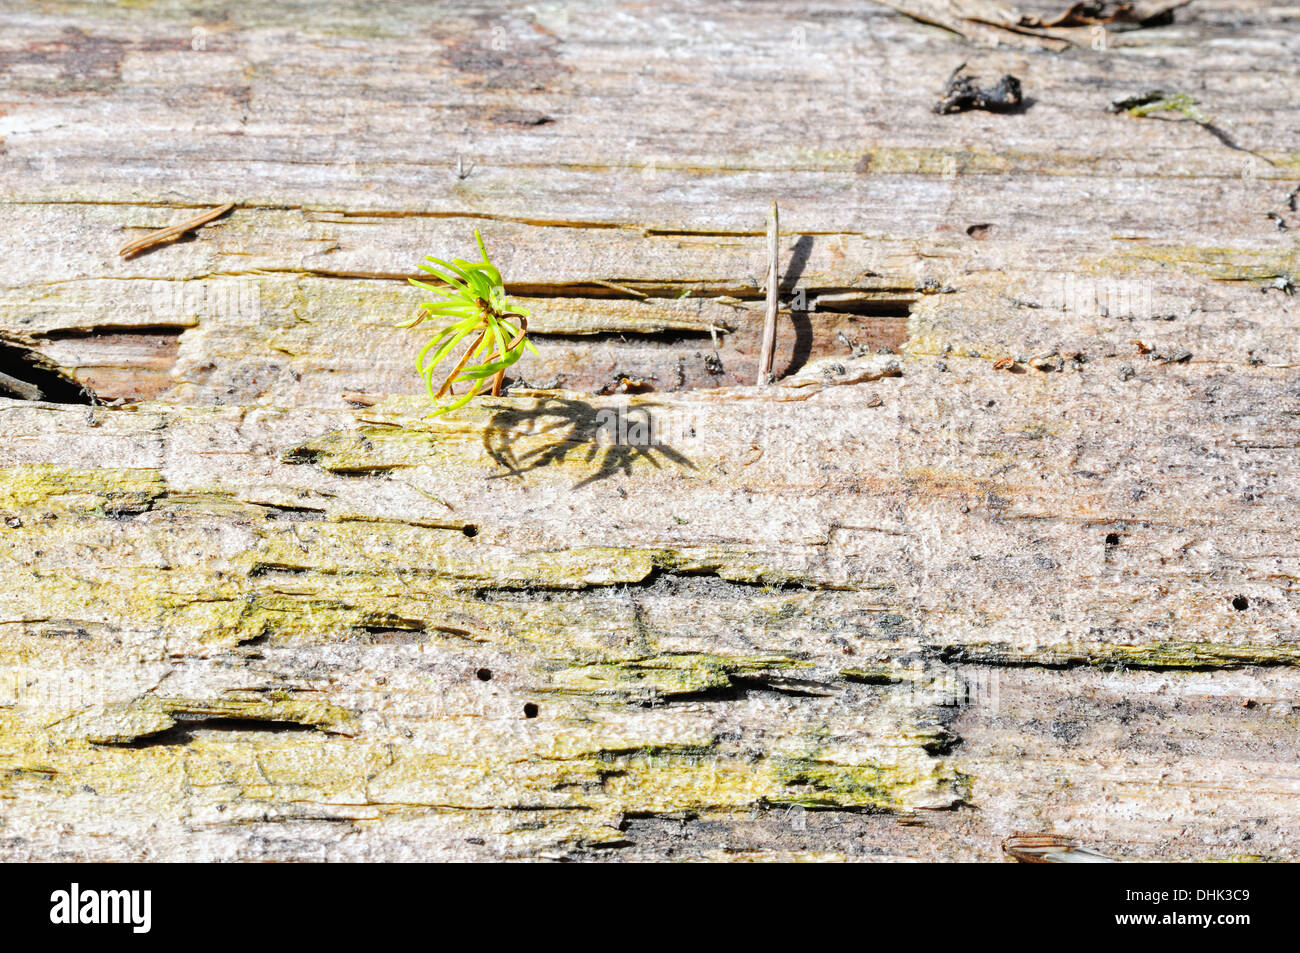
474,300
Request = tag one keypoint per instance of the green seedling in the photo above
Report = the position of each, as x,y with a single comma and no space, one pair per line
472,297
1160,101
1157,100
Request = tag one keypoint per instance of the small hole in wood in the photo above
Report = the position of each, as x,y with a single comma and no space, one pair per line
530,710
1112,539
484,675
1240,604
470,530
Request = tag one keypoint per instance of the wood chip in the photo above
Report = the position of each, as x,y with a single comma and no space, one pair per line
1050,849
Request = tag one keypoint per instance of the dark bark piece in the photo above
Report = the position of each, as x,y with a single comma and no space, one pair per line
964,92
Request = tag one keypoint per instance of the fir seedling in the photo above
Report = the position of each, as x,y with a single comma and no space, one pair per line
1159,101
1156,101
474,300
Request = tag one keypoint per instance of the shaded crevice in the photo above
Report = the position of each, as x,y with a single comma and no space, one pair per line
381,627
310,453
671,337
1155,657
667,580
635,289
865,306
109,331
126,509
183,732
658,582
127,362
943,743
26,374
291,514
810,327
745,686
259,570
667,750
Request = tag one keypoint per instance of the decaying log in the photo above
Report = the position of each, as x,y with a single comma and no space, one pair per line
1010,545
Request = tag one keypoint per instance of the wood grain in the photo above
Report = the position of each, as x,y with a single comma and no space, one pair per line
1011,546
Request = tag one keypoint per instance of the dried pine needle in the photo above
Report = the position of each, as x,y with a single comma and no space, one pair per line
172,232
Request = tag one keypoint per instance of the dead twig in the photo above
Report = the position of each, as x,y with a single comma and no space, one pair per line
617,287
172,232
19,388
768,352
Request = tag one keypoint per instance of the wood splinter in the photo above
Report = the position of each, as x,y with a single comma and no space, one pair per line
768,351
172,232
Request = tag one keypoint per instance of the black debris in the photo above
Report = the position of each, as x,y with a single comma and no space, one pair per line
1133,102
963,93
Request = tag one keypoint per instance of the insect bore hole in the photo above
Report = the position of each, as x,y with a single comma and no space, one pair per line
470,530
530,710
1112,539
1240,604
484,675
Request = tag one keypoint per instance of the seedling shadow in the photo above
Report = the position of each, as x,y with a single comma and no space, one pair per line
571,427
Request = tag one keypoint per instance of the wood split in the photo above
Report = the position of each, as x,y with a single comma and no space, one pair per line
617,287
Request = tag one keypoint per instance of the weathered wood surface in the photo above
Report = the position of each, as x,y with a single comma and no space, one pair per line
898,605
